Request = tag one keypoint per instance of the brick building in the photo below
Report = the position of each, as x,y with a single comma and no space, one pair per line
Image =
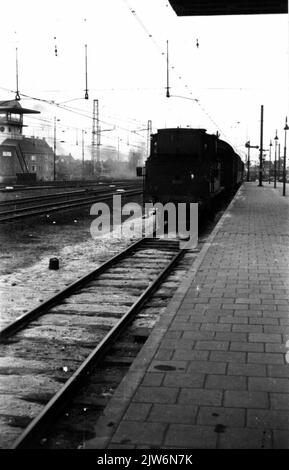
21,157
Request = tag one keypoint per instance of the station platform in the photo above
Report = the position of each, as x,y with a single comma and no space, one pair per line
214,373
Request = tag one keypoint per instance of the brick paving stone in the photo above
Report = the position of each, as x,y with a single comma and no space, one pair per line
254,370
200,396
249,313
248,328
191,436
156,395
280,439
135,432
198,335
279,401
278,370
234,319
137,411
152,379
227,356
187,355
263,321
222,416
245,399
207,367
231,336
268,419
173,414
236,306
183,343
184,326
226,382
177,379
173,334
264,308
246,347
275,348
266,358
196,318
212,345
265,338
164,354
269,384
247,300
219,312
215,327
271,329
244,438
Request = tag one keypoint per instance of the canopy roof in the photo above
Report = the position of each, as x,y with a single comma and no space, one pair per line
15,107
228,7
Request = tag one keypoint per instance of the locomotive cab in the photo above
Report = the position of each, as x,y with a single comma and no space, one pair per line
189,165
182,167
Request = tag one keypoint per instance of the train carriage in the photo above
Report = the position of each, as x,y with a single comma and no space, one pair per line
189,165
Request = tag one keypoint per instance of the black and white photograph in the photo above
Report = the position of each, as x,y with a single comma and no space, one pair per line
144,229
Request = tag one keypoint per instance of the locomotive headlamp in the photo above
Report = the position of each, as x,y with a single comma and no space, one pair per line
192,176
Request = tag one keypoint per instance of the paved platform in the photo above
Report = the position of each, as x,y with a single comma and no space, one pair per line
213,373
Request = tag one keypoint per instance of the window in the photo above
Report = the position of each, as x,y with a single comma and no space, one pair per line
33,158
14,117
2,129
33,168
7,154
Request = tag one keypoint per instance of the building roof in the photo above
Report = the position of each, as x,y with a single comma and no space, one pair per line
15,107
30,145
228,7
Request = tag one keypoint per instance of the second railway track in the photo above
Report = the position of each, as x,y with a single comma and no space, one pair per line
45,207
47,353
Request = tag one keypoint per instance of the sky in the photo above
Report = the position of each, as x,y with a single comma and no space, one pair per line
241,63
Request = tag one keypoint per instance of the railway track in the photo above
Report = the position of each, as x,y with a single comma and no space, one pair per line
5,188
44,207
47,354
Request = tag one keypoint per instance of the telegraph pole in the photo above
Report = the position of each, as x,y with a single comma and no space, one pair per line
249,146
275,159
17,96
94,133
248,160
284,162
54,150
168,87
279,161
97,134
86,89
83,154
270,146
149,137
261,149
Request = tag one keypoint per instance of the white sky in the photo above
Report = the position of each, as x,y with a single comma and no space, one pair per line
241,63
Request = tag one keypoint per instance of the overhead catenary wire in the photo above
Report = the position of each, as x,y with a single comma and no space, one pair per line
148,34
81,113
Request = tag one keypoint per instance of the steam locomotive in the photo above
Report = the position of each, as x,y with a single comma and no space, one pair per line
188,165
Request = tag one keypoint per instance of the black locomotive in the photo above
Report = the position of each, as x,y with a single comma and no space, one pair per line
189,165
